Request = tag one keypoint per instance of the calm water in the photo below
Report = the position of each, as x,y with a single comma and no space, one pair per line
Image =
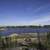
8,31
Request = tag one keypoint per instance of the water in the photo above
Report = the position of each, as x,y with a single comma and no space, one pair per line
24,30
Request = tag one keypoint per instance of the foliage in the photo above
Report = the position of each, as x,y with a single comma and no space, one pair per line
47,42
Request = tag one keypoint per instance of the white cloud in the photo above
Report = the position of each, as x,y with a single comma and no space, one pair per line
40,8
42,21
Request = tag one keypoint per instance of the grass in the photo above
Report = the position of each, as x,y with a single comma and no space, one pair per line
12,45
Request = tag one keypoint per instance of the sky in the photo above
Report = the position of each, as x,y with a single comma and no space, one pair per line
24,12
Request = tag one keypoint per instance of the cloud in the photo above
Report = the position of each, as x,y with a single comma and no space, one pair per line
43,21
41,8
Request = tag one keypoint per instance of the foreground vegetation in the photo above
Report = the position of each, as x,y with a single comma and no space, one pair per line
14,44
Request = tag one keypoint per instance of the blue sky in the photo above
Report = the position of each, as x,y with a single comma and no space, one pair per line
24,12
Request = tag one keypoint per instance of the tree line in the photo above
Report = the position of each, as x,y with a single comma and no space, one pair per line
30,26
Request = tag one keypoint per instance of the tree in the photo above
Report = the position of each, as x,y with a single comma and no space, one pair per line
48,39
